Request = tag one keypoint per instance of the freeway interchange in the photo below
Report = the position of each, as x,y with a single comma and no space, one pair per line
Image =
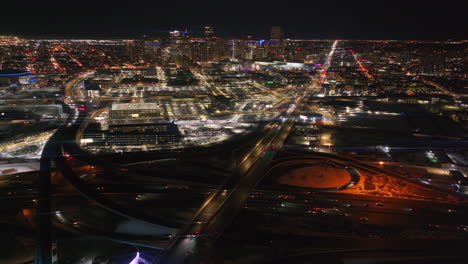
241,190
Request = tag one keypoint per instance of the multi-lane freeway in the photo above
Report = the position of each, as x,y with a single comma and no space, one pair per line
234,194
222,205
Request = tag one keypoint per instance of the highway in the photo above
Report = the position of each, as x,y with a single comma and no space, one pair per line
381,211
63,143
222,205
67,145
70,89
225,202
442,89
412,215
27,141
285,200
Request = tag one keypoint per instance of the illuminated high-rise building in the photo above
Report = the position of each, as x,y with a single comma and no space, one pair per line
136,50
209,32
277,33
214,45
199,51
276,49
180,46
175,37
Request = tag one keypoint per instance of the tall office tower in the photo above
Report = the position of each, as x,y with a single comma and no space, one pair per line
186,34
214,45
237,49
219,49
180,47
136,50
152,50
209,32
175,37
276,49
130,50
199,51
277,33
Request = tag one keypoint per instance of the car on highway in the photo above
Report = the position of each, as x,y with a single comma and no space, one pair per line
459,177
194,235
431,227
154,166
462,228
363,219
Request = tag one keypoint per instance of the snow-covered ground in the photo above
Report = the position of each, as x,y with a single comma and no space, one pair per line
9,168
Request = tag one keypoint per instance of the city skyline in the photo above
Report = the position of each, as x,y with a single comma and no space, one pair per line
335,20
150,132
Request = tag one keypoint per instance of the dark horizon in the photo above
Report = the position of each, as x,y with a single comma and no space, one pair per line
341,137
418,20
257,34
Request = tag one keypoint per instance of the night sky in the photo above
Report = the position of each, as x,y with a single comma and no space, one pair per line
380,19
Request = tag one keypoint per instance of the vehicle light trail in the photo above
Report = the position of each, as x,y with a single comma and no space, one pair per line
135,260
361,66
326,65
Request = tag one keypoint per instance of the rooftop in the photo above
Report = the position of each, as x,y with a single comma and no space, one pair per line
134,106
